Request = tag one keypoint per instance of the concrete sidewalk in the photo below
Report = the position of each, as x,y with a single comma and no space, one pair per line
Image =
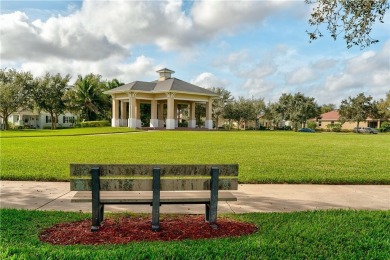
251,198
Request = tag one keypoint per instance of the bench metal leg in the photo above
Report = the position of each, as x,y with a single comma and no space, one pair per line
207,213
211,209
156,200
97,208
101,213
97,217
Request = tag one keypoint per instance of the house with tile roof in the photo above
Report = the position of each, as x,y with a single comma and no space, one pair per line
333,117
164,96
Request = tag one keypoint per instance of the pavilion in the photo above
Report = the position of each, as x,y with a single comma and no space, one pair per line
164,95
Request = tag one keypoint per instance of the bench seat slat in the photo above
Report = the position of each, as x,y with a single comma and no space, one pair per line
146,197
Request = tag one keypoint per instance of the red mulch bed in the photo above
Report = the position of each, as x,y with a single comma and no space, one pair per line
129,229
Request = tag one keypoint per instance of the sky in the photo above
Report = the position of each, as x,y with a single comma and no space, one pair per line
252,48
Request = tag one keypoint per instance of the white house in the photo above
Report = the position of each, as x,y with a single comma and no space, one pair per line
40,120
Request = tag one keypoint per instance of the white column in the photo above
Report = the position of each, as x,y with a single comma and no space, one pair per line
115,112
192,119
170,124
153,114
132,123
209,121
160,115
138,112
175,116
123,113
20,120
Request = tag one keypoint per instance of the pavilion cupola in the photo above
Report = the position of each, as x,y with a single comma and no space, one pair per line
165,74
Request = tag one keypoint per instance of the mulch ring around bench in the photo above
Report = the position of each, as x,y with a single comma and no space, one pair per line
127,229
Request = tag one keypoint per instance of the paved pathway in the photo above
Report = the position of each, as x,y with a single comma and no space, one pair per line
251,198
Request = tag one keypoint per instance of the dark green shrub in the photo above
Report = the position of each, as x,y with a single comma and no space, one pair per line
336,128
285,128
95,123
227,126
333,127
385,127
183,124
312,125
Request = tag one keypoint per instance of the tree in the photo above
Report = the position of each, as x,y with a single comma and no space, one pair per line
259,108
384,107
230,113
218,106
243,110
15,90
49,95
284,106
297,108
302,109
327,108
114,83
271,114
353,18
87,97
357,109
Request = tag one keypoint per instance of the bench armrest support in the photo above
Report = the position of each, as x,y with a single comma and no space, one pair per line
97,208
211,210
156,200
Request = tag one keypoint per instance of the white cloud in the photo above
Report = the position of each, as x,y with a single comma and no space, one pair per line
62,37
101,28
233,60
97,39
367,72
260,70
258,87
340,82
139,22
209,80
324,64
213,17
142,68
113,38
370,61
299,76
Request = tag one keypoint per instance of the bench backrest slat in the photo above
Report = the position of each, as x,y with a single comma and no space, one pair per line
144,170
135,177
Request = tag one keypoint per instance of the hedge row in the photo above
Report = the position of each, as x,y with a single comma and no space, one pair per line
95,123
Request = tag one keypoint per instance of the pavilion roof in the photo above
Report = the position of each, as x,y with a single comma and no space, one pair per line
168,85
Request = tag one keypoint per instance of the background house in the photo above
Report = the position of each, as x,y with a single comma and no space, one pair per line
333,117
29,119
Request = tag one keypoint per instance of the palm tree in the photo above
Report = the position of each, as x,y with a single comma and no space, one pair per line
89,98
114,84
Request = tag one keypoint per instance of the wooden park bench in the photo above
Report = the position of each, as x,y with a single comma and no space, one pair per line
153,184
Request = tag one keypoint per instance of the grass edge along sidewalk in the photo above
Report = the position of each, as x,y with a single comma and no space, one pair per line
341,234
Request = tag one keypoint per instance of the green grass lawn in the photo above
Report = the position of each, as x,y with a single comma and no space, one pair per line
333,234
263,156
